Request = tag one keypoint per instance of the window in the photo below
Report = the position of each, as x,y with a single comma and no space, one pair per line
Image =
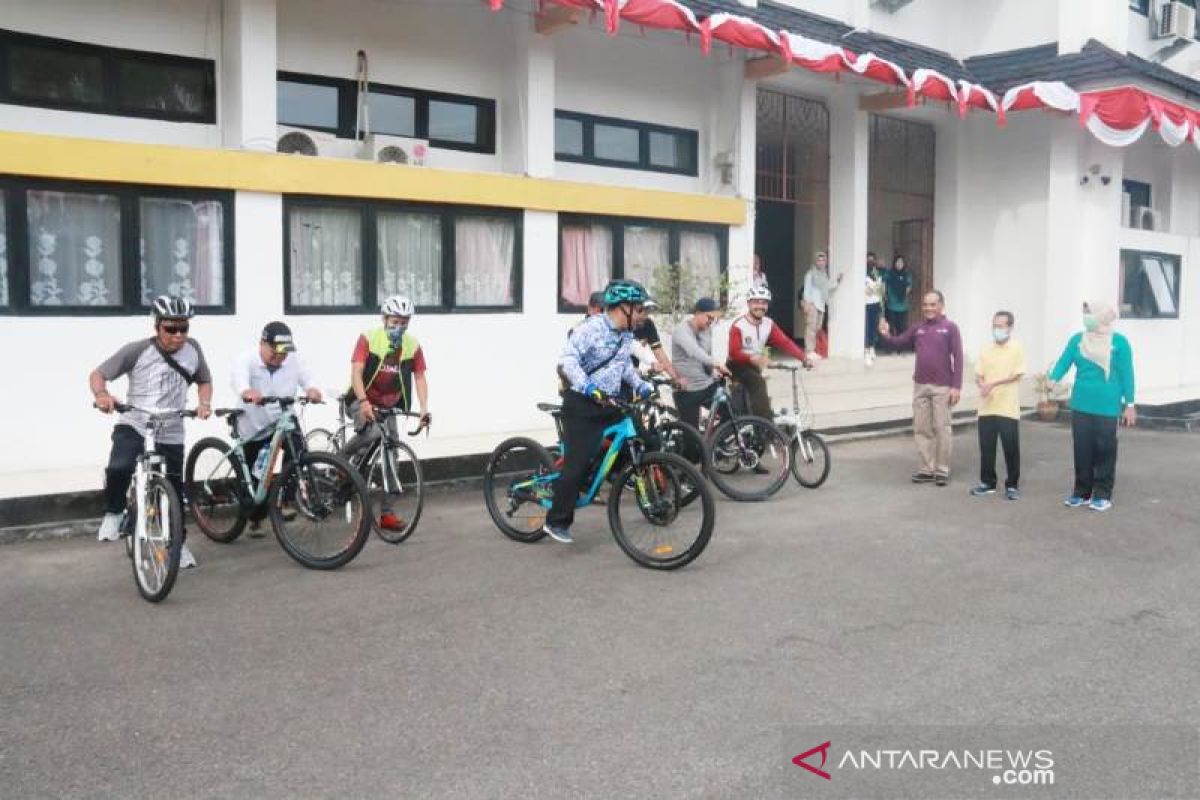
71,248
347,257
453,122
1139,197
55,73
609,142
1140,6
1149,284
677,262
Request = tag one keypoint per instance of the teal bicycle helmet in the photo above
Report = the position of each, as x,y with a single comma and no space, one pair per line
623,291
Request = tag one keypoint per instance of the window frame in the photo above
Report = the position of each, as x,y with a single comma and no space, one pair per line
110,59
1140,7
369,246
16,207
485,130
644,129
616,226
1127,254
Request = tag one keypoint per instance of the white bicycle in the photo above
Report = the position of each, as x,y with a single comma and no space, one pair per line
810,454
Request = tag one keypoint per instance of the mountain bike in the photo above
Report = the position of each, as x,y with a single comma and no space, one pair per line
392,471
152,525
646,512
747,457
810,455
317,502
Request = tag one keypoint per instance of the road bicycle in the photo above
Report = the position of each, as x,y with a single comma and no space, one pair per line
152,524
391,469
317,502
646,510
746,457
810,455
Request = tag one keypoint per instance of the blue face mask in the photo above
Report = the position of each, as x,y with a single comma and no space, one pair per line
1001,335
395,334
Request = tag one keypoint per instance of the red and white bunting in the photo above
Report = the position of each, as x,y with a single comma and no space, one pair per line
1041,94
1119,117
934,85
972,95
742,32
663,14
813,55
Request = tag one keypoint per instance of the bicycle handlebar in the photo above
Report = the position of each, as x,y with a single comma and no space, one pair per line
154,413
786,367
288,401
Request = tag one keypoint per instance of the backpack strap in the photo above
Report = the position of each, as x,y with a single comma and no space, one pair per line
175,365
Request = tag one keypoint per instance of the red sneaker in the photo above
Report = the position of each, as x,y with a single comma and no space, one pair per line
390,522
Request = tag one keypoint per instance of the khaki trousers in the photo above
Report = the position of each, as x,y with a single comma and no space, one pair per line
931,427
812,324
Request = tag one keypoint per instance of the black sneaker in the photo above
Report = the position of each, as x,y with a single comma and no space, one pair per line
558,533
922,477
942,480
982,489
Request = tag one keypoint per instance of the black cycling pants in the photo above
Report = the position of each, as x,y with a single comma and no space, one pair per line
127,445
583,424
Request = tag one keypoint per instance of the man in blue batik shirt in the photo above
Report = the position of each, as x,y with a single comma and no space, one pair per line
595,363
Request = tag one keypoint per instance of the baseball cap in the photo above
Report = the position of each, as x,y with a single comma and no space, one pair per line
279,336
706,305
596,299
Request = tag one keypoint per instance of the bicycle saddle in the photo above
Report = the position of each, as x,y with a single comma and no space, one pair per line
550,408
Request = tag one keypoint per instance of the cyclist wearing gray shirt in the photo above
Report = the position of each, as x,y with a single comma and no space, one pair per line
691,352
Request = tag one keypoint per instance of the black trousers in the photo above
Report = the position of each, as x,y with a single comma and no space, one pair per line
896,320
127,445
583,423
1095,440
750,376
689,403
991,428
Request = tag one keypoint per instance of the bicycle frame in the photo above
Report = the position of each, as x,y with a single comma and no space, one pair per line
391,481
280,440
623,432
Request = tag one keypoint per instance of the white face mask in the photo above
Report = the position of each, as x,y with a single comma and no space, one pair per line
1001,335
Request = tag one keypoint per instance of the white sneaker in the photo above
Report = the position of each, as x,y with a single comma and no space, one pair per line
110,528
186,559
815,356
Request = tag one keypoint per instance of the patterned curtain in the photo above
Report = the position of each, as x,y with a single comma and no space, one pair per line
75,249
646,249
700,256
182,250
484,265
326,256
410,256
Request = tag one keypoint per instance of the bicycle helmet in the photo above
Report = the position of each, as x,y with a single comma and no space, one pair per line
167,307
759,293
397,306
623,291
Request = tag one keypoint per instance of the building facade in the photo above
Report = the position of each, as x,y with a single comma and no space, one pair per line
549,146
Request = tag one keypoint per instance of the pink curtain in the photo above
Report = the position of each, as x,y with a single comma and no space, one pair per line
586,261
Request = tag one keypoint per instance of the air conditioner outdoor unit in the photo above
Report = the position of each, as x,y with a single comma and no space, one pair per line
394,150
303,142
1144,218
1174,20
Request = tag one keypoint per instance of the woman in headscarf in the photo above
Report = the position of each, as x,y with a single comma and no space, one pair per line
818,287
1102,397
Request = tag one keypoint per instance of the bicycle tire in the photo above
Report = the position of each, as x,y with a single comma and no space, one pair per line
729,442
317,487
215,491
321,440
161,562
411,517
682,439
674,470
805,468
499,478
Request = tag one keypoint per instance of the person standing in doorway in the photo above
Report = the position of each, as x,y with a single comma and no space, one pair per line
818,287
998,375
897,283
758,277
874,297
937,384
1101,399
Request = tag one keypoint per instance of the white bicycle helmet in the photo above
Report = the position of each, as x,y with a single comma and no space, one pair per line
759,293
167,307
397,306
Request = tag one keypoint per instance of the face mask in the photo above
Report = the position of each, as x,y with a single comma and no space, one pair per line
1089,323
1001,334
395,334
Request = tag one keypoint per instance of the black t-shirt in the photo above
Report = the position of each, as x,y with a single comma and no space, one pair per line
646,333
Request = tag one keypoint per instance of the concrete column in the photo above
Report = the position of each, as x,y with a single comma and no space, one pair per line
526,143
849,143
248,65
735,131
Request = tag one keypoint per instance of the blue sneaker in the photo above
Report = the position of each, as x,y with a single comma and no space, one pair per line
1012,493
1100,504
558,533
982,489
1075,501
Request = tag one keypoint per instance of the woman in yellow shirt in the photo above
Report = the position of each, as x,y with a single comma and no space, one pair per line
998,375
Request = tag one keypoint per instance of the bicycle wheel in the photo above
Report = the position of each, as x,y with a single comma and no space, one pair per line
395,488
156,550
810,459
512,489
748,458
213,479
320,512
321,440
646,516
686,442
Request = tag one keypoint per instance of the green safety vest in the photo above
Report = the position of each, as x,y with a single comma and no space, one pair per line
380,347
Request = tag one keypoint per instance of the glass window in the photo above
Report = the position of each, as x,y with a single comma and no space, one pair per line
410,256
1149,284
183,249
700,260
325,262
484,249
395,114
671,151
47,73
307,104
616,143
453,122
3,251
587,261
172,89
74,249
646,250
568,137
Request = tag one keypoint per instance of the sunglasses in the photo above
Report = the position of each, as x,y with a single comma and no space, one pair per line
174,329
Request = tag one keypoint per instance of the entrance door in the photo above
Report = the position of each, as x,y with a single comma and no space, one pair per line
913,239
774,239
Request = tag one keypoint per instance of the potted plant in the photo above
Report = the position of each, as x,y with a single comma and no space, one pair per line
1050,394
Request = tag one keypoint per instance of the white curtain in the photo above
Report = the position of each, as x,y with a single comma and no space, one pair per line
183,250
646,249
483,258
326,256
700,257
75,249
410,257
587,255
3,252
